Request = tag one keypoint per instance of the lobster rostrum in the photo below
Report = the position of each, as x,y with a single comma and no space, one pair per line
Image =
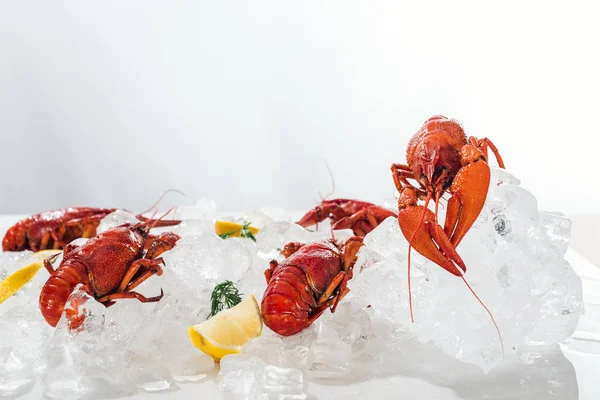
109,266
360,216
312,278
441,159
55,229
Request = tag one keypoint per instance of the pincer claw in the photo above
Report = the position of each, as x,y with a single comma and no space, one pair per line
429,239
469,191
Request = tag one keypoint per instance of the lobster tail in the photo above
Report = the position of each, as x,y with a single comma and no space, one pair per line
288,302
58,288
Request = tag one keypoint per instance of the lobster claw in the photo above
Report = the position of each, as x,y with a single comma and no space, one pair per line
428,238
320,213
469,190
365,220
313,217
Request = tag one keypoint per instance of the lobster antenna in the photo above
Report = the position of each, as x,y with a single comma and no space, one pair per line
156,221
487,310
162,196
332,182
412,318
150,220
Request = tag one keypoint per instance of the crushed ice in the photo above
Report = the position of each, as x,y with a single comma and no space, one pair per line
515,263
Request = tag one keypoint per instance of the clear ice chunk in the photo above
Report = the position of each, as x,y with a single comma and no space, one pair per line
246,377
24,331
204,209
161,352
275,235
87,362
202,261
195,220
116,218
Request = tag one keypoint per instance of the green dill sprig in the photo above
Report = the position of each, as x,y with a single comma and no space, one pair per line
244,232
225,294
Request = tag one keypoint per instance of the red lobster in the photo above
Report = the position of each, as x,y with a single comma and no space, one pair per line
312,278
360,216
109,266
55,229
440,159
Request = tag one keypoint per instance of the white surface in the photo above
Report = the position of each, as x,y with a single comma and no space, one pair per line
111,103
581,351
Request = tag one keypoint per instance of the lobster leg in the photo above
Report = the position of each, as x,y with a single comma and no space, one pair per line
44,241
401,173
335,283
156,270
340,282
48,266
130,295
483,144
151,267
291,248
73,316
269,272
316,312
370,218
469,191
159,244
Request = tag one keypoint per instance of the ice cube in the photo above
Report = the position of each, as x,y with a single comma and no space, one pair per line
161,351
87,362
24,335
191,367
555,229
341,344
247,377
200,262
275,235
17,371
204,210
263,216
116,218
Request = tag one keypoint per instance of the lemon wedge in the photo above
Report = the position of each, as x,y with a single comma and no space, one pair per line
20,277
229,330
232,229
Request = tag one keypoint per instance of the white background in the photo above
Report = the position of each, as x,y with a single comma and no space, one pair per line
109,103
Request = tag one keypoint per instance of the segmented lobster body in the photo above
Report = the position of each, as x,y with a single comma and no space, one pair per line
109,266
312,278
360,216
55,229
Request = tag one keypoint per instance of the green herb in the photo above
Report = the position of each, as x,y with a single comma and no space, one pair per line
228,234
225,294
244,232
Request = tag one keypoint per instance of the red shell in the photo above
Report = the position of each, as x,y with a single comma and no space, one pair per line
32,229
296,285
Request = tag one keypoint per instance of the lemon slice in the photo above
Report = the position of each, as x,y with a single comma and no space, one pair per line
231,229
229,330
20,277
